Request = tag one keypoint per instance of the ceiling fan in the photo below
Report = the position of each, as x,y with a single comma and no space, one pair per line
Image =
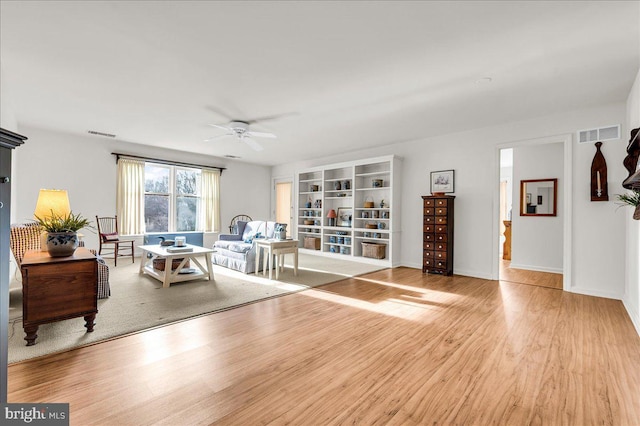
241,129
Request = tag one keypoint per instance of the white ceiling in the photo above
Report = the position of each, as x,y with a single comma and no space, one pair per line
353,74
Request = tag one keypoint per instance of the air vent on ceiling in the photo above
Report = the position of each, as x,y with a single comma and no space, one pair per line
231,156
108,135
601,134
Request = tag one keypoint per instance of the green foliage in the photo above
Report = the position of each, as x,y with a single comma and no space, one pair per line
68,223
632,199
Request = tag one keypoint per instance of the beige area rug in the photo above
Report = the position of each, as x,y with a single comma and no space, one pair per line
139,302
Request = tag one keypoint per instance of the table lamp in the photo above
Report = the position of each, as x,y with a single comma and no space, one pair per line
51,202
332,217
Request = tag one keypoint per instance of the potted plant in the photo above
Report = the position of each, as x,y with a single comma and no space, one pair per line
62,232
631,199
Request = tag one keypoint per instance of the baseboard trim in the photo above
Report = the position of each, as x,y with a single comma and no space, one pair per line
633,314
411,265
595,293
473,274
536,268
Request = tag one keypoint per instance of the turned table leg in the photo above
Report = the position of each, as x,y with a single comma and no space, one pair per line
32,334
89,323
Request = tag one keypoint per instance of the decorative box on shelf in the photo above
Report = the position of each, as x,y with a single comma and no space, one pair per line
312,243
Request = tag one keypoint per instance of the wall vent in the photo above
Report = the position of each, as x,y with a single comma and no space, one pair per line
108,135
601,134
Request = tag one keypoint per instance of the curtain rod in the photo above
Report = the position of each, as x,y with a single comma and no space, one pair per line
168,162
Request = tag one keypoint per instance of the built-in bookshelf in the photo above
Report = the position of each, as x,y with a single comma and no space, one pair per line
365,198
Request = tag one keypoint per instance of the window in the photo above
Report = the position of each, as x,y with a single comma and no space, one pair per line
171,198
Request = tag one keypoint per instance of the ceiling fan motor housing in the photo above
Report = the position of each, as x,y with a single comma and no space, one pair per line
239,127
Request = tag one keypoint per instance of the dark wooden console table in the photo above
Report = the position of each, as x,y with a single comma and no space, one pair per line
58,288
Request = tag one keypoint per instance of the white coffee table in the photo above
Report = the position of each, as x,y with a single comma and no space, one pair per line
169,276
275,248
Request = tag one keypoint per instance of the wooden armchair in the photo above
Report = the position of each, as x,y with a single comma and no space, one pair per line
108,230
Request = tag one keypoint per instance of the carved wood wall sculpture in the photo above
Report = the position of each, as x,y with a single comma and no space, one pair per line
631,161
599,186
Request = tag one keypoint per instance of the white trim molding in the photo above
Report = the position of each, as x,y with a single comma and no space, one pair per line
567,140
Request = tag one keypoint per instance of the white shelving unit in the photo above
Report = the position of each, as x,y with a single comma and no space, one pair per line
309,204
345,188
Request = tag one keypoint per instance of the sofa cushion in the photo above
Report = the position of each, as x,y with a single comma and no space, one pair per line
229,245
240,247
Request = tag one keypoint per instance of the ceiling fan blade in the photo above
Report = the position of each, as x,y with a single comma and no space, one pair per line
219,136
253,144
219,112
261,135
219,126
270,117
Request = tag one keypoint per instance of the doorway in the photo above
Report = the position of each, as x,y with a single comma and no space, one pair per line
284,205
532,250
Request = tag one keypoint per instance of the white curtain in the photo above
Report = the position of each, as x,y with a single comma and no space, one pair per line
210,197
130,196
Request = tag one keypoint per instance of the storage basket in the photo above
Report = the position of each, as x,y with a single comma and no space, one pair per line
375,251
368,203
371,226
309,222
312,243
160,263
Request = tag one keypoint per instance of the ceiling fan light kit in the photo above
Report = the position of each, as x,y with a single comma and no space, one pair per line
241,129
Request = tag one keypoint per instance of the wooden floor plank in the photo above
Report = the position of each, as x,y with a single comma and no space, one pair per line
395,347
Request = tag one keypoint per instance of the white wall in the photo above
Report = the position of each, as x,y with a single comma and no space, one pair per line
632,279
84,166
7,117
598,255
537,241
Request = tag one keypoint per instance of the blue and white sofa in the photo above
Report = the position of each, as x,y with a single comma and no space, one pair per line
238,251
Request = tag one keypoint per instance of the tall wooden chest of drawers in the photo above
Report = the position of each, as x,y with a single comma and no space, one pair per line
437,234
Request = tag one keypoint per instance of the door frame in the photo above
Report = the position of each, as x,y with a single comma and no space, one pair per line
567,140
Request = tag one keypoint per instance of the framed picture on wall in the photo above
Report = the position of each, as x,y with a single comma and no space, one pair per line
442,181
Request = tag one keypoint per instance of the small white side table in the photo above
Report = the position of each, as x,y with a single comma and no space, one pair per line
276,248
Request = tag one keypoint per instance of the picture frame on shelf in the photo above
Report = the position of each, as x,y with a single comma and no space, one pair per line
443,181
345,216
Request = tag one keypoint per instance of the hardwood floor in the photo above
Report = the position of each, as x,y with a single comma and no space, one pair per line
393,347
524,276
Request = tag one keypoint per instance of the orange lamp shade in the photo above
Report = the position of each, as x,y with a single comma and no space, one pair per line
52,200
332,214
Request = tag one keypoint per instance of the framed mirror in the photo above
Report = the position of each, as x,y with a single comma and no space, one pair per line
539,197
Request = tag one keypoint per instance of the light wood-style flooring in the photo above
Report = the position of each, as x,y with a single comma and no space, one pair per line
395,347
523,276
